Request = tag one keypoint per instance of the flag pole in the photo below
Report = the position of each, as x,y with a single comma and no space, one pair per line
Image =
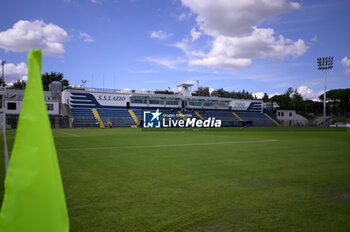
34,199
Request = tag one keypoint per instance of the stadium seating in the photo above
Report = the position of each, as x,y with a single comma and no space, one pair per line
224,115
120,116
83,117
258,119
81,112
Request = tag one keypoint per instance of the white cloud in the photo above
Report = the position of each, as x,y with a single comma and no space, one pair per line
236,36
221,61
273,94
149,71
314,39
191,82
308,93
93,1
238,52
259,95
160,35
169,63
305,92
14,72
86,37
198,53
195,34
184,16
26,35
211,90
346,63
235,18
12,69
184,45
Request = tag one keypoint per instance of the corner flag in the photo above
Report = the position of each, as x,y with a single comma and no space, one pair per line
34,199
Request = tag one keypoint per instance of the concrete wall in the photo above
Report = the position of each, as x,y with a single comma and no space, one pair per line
291,118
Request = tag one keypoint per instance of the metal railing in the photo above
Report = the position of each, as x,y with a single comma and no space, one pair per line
119,90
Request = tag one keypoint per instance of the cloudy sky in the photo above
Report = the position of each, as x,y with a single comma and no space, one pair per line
256,45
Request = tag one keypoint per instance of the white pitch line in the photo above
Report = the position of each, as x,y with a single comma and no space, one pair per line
165,145
74,135
224,136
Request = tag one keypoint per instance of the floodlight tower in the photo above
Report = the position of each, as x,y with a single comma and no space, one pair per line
3,64
324,64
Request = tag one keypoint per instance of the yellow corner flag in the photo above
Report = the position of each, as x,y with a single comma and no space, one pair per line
34,199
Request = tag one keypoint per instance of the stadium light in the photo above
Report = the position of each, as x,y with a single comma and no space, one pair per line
324,64
3,62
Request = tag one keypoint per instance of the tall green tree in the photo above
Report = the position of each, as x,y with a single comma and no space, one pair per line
284,100
297,101
265,97
339,98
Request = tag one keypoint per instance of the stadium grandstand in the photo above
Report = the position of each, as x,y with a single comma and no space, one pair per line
82,107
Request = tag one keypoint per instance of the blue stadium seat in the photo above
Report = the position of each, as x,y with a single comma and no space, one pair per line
83,117
258,119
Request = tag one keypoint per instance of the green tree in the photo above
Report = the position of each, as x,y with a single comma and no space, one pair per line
221,93
203,91
298,102
53,76
19,84
265,97
312,107
339,98
237,95
284,100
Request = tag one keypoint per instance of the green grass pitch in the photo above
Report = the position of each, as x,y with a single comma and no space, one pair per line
224,180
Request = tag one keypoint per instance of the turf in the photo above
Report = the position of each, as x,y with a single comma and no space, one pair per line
225,180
